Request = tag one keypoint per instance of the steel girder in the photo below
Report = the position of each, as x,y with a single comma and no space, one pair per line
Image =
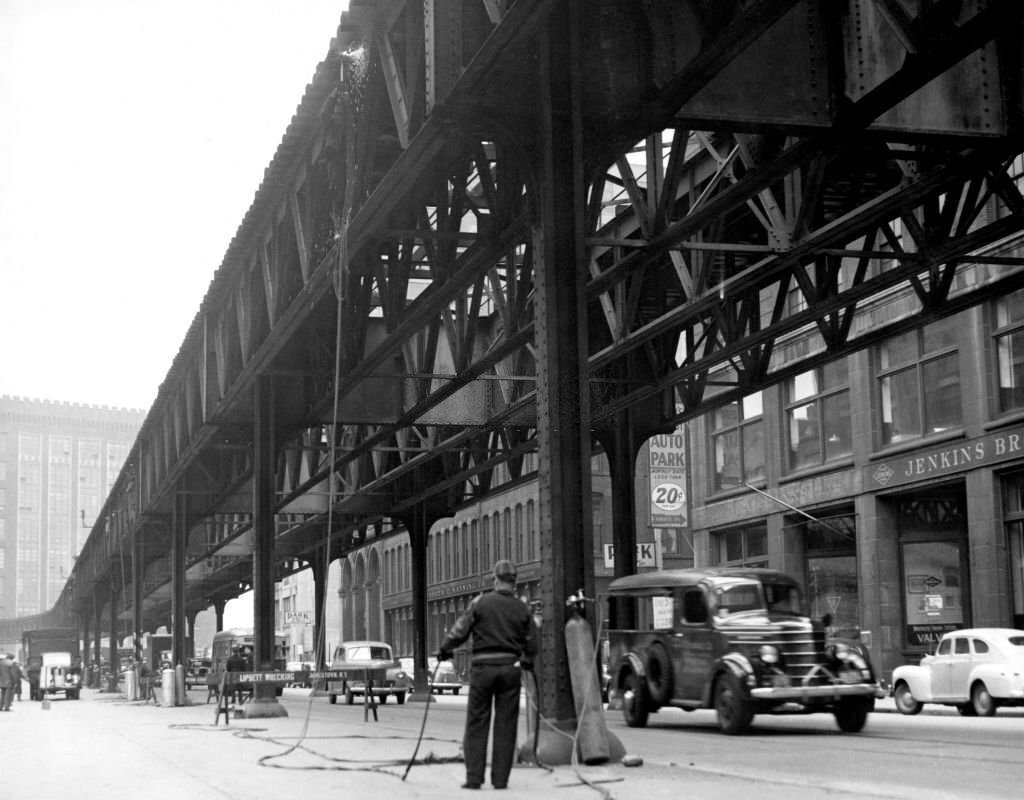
737,231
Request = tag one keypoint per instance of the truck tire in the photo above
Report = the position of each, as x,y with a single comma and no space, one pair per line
659,674
735,712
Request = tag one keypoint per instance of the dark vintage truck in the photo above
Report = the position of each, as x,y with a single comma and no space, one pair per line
737,640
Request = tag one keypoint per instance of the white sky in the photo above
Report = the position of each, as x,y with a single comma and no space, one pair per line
133,137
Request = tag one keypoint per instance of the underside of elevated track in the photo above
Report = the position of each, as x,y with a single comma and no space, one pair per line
500,227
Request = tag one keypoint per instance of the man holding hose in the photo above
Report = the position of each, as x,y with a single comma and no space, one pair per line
504,642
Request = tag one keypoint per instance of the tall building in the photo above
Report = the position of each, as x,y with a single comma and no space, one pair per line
58,462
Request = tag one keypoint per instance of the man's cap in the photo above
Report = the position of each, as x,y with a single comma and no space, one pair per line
505,570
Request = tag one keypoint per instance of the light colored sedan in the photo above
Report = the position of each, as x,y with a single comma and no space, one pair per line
975,669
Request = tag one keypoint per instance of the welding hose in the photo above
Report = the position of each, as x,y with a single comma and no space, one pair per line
423,725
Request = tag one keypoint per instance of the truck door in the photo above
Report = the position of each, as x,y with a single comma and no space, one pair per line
695,652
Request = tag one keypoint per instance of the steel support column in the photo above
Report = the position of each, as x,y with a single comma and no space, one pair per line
218,611
418,525
563,420
179,545
97,659
320,566
139,594
264,702
113,640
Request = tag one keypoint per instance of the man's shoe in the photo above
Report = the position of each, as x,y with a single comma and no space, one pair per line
470,785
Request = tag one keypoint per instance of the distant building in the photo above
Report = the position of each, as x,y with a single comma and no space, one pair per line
58,462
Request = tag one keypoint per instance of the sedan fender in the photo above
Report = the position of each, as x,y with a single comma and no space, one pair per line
918,680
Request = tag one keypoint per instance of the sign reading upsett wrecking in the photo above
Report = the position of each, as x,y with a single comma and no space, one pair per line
949,459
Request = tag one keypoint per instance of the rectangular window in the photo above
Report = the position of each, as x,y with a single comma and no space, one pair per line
741,547
919,382
737,443
1013,514
818,416
1009,341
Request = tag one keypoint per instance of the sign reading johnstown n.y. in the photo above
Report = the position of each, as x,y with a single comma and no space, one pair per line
947,459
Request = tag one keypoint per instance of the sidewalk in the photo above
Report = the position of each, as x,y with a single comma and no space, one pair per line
106,746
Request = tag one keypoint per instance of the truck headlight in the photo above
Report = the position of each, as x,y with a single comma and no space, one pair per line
769,654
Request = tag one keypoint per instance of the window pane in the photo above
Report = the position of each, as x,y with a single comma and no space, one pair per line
941,334
835,374
804,446
727,460
901,416
942,393
753,452
803,386
752,406
1010,308
757,542
733,541
726,416
898,350
838,440
1011,371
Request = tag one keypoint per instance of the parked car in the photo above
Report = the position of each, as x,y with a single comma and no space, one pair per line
197,671
375,655
974,669
734,639
443,678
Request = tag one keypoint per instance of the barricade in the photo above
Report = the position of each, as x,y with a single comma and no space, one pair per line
368,672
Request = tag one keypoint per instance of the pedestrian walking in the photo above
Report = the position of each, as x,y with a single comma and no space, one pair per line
17,674
504,642
6,681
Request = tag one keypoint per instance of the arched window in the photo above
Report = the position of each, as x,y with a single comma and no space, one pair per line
531,530
474,547
520,549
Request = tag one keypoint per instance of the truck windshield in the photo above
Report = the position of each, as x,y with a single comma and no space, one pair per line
737,598
783,597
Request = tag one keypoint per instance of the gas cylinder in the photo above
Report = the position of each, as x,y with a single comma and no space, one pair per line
167,687
592,739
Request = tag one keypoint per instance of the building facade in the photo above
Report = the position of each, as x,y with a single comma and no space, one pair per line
891,482
58,462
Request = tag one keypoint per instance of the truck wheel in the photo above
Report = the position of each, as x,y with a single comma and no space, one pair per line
852,713
634,701
332,698
734,711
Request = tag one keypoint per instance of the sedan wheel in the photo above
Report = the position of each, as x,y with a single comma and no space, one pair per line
984,704
905,702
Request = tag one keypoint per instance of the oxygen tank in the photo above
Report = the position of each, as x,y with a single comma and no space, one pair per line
593,739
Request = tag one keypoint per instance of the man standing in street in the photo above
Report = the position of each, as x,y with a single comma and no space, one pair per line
504,639
6,682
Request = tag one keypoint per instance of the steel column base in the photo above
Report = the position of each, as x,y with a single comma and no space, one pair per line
262,707
554,747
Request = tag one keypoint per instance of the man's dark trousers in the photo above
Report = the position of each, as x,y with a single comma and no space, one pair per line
501,684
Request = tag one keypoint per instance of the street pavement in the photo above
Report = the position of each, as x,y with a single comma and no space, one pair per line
105,746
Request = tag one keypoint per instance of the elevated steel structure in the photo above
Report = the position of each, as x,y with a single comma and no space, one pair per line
548,225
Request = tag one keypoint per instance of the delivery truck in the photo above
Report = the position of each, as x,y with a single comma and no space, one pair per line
53,662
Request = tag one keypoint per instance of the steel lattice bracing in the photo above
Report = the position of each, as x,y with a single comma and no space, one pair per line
748,179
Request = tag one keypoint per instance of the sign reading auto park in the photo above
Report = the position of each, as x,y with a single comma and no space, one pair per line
949,459
668,479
